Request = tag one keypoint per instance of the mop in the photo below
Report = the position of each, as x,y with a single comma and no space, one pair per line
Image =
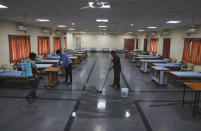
101,89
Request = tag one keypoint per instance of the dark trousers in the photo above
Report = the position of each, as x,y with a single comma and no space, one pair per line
34,85
116,78
68,71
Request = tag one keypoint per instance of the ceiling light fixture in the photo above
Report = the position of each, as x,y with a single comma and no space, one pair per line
71,29
42,20
3,6
98,5
61,26
173,22
73,23
102,26
140,30
101,20
152,27
131,24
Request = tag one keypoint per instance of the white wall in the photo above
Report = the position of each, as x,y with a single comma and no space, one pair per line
101,41
9,28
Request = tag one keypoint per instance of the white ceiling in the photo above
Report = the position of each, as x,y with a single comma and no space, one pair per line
142,13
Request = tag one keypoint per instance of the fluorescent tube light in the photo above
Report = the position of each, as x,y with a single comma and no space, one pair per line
152,27
140,30
61,26
131,24
101,20
42,20
71,29
3,6
173,22
102,26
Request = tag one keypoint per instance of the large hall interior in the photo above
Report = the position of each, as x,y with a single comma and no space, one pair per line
100,65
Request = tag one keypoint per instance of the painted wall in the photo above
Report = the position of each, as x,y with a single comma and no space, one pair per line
101,41
177,43
9,28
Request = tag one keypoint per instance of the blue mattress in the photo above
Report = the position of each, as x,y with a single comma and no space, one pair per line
43,66
92,49
11,74
105,49
160,61
148,56
47,61
49,57
168,65
187,74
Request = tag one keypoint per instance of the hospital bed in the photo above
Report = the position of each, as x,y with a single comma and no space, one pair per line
42,61
93,50
176,76
145,63
171,66
158,74
106,50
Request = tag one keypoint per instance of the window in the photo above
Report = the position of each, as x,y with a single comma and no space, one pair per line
19,47
57,43
129,44
192,51
153,46
43,45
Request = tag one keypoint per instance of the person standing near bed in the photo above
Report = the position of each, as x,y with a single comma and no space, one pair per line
33,81
66,63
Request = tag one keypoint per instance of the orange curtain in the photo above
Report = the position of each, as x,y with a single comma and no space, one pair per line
57,43
166,48
129,44
187,50
153,46
19,47
137,43
65,43
192,51
145,45
43,45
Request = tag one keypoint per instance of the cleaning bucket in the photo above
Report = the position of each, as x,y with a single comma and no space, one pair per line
124,92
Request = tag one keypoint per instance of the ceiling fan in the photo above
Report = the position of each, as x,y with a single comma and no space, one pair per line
97,4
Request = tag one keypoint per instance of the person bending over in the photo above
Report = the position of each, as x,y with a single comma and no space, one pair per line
116,65
66,63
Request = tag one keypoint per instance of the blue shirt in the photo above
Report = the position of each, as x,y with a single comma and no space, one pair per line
65,60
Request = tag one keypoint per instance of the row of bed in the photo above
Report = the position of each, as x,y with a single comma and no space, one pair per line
45,65
162,66
106,50
163,71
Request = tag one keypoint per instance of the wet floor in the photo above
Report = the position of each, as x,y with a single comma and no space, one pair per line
80,107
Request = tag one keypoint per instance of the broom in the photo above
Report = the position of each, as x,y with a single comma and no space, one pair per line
101,89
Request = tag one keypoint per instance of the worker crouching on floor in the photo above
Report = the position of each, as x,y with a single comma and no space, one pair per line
116,65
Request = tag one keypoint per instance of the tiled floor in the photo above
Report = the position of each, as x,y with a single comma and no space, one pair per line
81,108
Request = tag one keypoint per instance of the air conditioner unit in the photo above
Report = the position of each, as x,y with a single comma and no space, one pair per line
153,33
22,28
165,33
58,32
45,31
191,30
